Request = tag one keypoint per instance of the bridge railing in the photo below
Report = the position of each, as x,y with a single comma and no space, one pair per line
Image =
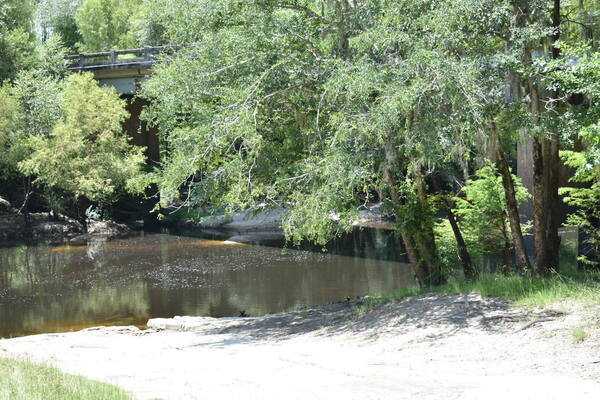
142,57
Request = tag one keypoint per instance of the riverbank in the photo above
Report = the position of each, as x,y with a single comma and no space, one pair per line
44,227
17,227
421,347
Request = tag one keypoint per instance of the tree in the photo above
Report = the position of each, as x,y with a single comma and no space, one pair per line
321,106
162,22
288,103
51,58
17,41
31,108
57,18
587,202
107,24
8,127
87,153
39,97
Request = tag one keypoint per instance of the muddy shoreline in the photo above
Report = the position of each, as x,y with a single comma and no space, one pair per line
37,228
423,347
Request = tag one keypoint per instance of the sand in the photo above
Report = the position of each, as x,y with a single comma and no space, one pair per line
423,347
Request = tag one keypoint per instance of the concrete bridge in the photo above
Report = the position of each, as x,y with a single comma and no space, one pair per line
125,70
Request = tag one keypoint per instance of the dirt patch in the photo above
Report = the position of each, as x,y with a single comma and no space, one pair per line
423,347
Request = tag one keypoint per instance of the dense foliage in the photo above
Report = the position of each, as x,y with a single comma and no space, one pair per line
62,139
86,153
57,18
321,106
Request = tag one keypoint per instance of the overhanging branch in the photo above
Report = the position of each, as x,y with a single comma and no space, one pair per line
305,10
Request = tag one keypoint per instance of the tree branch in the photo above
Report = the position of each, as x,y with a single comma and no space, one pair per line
587,26
306,11
287,89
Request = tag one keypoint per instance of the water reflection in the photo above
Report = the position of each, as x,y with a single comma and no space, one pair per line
46,289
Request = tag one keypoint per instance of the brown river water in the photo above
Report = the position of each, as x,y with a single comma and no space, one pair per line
61,288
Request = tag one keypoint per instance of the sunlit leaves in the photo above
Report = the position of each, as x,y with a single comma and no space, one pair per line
482,212
107,24
86,153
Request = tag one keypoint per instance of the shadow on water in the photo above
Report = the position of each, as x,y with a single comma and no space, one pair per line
379,244
127,281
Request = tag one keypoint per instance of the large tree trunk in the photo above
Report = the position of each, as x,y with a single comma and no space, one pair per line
522,260
545,204
420,272
419,254
539,207
546,164
553,205
552,167
545,191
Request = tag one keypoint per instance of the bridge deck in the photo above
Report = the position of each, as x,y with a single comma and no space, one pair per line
143,57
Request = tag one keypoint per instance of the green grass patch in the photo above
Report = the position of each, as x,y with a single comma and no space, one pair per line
579,335
522,290
21,380
530,291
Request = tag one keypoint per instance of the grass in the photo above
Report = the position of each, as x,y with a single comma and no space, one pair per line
522,290
21,380
579,335
531,291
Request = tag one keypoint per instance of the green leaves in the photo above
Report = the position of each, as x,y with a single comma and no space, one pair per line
86,153
106,24
482,212
17,41
288,103
306,104
9,122
31,108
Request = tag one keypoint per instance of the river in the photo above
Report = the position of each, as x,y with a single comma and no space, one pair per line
45,288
